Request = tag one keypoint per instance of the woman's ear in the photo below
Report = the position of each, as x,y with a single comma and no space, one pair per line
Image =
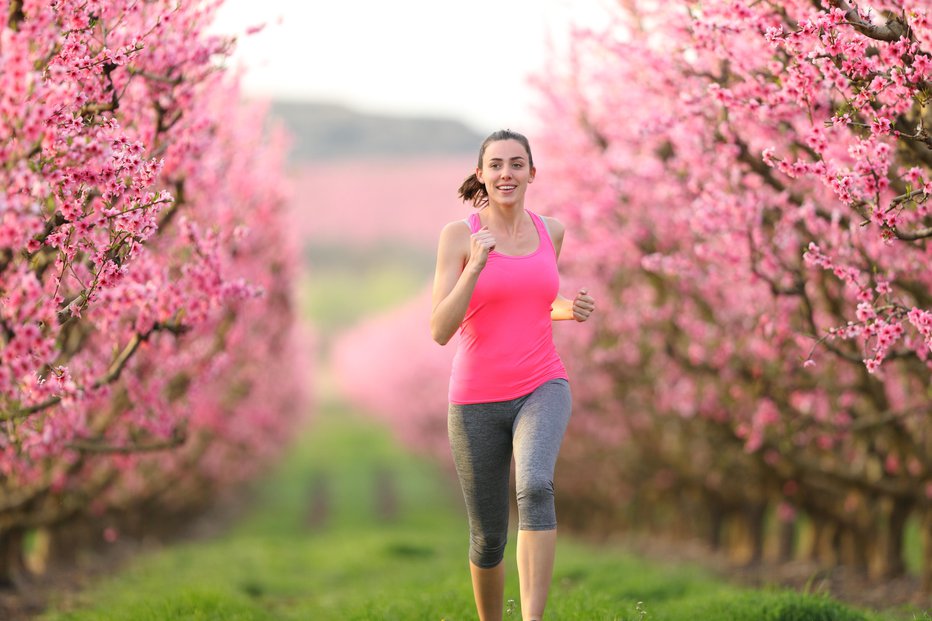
479,176
533,174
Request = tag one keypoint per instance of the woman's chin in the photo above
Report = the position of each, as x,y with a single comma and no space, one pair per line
508,200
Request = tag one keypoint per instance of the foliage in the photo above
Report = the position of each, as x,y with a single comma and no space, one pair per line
752,184
388,365
746,190
146,344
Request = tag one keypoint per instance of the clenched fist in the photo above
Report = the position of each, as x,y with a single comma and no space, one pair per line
583,305
482,242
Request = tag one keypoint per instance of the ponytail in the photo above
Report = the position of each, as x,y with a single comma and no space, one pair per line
473,190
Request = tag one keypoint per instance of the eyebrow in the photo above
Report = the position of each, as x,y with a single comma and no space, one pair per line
498,159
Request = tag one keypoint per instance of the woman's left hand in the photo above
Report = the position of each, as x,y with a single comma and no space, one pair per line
583,305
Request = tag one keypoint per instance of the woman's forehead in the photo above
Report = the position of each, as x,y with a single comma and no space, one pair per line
505,149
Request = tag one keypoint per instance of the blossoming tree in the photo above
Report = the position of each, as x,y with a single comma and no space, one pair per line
753,182
146,357
389,366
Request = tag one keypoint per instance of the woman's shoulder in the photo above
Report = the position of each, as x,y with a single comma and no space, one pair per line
455,234
550,220
554,226
456,228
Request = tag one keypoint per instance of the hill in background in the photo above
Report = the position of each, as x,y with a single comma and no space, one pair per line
323,131
365,180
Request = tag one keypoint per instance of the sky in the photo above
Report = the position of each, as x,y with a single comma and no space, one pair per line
468,61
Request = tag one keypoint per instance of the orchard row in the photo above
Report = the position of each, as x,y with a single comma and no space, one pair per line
147,353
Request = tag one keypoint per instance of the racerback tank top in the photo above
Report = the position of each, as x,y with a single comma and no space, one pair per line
506,348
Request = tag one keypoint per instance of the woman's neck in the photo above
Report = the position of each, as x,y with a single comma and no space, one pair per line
508,217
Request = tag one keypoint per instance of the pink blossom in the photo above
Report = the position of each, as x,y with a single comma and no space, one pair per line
786,512
766,191
892,464
82,191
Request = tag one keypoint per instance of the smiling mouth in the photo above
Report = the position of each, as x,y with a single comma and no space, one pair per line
507,188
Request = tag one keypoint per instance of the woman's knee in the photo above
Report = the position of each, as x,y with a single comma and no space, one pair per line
487,550
535,504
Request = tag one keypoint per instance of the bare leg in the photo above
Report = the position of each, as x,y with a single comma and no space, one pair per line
536,552
488,587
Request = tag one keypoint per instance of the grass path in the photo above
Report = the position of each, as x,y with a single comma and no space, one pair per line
352,528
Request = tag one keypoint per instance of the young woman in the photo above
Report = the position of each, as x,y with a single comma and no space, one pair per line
497,284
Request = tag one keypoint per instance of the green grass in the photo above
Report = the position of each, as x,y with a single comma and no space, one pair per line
337,298
344,283
362,563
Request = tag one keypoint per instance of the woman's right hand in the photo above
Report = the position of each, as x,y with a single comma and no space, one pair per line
481,243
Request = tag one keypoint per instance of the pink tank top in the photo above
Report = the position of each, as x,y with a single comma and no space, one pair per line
506,345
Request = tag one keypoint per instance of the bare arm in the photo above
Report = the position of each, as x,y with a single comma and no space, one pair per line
580,307
557,232
561,309
460,259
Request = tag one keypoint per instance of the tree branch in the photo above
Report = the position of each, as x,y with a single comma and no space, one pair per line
168,214
796,289
893,30
114,103
113,373
918,134
815,470
15,16
809,315
886,418
914,235
179,437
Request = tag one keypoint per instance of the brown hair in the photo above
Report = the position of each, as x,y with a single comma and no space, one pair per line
474,190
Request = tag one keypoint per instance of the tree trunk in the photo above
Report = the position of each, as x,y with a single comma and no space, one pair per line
861,545
852,544
817,525
836,546
894,565
824,547
68,538
786,545
716,525
755,514
12,562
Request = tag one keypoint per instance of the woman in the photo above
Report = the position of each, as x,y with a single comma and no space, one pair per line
497,283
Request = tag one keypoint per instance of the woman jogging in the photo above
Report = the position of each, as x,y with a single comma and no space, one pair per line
497,284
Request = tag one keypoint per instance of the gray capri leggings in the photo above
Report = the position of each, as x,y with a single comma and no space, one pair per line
482,438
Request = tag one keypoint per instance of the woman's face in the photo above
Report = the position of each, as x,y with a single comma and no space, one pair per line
505,171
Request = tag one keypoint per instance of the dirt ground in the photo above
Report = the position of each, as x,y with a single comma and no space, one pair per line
62,584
